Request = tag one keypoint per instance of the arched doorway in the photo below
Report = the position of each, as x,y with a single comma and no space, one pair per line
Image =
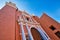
35,33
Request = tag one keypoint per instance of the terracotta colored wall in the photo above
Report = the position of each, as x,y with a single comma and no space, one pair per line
7,23
45,22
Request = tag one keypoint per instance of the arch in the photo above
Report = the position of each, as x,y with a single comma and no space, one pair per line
35,33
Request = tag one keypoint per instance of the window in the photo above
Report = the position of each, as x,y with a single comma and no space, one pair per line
27,18
58,34
52,27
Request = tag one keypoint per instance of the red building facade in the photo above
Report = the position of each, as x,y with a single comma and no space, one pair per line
19,25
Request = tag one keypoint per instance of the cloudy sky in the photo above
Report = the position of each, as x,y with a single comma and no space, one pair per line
37,7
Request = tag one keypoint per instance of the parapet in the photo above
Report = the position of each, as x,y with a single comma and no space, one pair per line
11,4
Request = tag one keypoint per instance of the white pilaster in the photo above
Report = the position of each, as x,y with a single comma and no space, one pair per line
29,32
23,34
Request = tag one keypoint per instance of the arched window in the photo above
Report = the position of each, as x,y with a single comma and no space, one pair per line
36,35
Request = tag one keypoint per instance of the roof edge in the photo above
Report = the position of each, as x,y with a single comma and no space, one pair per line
11,4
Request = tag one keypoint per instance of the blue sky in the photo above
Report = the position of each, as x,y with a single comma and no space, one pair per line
37,7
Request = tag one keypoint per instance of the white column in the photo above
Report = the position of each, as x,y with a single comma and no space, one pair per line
23,34
29,32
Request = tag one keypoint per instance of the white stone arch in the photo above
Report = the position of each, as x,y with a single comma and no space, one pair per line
43,35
